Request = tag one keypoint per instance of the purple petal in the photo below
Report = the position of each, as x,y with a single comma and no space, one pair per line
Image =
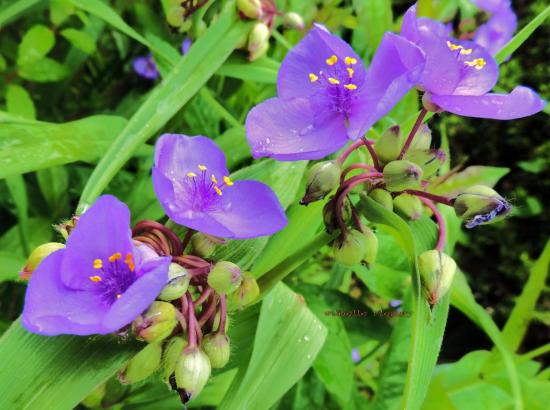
152,276
521,102
492,6
146,67
394,70
309,56
101,231
286,129
186,45
51,308
355,355
497,31
250,209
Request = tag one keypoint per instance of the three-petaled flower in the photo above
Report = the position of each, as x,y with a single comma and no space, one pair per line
100,282
193,185
326,97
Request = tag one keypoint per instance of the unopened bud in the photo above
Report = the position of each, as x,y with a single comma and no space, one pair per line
294,21
216,346
142,365
250,8
204,245
172,352
157,323
408,206
322,178
174,16
371,246
225,277
383,197
480,205
94,399
350,250
430,160
437,272
247,293
329,216
38,255
422,138
258,41
400,175
429,105
66,227
178,282
192,371
388,146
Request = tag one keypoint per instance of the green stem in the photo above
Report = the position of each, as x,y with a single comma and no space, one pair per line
220,109
539,351
281,40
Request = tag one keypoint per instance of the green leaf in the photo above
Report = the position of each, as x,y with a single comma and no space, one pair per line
375,17
185,79
263,70
45,70
28,146
55,372
522,36
287,332
36,43
18,190
443,10
12,10
54,185
19,102
80,39
60,10
474,175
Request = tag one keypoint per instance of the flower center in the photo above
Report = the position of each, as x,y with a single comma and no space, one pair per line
114,275
335,83
477,63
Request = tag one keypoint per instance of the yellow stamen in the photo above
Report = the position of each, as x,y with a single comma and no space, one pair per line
350,86
313,77
453,46
191,174
333,81
202,167
350,60
218,191
129,260
332,60
466,51
98,263
350,72
227,181
478,63
95,278
214,180
115,257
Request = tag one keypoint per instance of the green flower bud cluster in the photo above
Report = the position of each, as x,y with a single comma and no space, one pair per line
356,247
400,175
322,178
329,217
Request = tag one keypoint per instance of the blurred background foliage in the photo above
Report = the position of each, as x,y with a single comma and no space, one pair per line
66,66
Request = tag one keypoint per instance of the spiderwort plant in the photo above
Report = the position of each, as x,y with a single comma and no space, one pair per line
501,26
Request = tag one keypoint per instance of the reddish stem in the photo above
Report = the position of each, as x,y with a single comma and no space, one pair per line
363,141
373,155
187,238
191,321
203,296
354,167
440,223
415,128
437,198
209,311
223,314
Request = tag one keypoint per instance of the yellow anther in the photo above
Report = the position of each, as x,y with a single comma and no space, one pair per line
332,60
466,51
202,167
191,174
313,77
350,60
227,181
95,278
453,46
98,263
350,86
333,81
214,180
478,63
115,257
350,72
218,191
129,260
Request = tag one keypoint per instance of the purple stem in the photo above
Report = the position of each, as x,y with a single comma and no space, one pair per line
354,167
415,128
186,239
440,223
363,141
191,320
437,198
373,155
223,314
203,296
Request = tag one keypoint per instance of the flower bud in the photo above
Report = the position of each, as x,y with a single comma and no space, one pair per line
178,282
174,16
142,365
322,178
430,160
350,250
294,21
388,146
37,256
225,277
250,8
95,398
258,41
172,352
436,271
66,227
383,197
247,293
329,216
429,105
216,346
422,139
203,245
157,323
480,205
192,371
371,246
401,175
408,206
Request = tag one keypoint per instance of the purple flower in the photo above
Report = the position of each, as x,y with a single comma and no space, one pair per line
146,67
459,75
500,28
502,209
192,183
100,282
326,97
186,45
355,355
